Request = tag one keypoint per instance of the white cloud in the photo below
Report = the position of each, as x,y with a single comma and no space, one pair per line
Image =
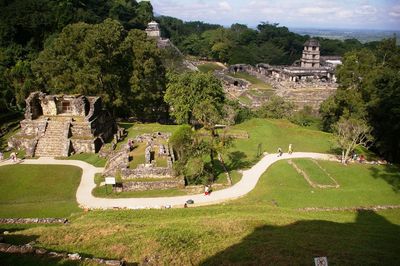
224,6
301,13
395,12
316,11
366,10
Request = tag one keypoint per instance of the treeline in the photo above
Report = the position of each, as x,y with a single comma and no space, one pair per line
44,38
269,43
369,92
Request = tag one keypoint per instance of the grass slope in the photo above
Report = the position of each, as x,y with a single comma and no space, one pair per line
256,83
360,185
209,67
250,230
38,190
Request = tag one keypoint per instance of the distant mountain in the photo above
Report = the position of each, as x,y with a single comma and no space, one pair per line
342,34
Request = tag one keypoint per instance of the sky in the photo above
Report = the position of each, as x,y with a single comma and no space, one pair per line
344,14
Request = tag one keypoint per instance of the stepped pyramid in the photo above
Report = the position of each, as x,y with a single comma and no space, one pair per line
58,125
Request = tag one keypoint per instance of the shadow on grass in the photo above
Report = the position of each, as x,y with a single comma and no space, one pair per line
238,161
126,126
389,173
370,240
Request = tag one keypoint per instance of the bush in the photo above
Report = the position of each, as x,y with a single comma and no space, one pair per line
276,108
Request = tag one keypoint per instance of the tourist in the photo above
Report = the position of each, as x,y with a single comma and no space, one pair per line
279,152
1,156
130,144
185,205
13,157
290,150
206,190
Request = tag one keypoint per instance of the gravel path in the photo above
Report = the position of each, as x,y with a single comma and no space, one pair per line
246,184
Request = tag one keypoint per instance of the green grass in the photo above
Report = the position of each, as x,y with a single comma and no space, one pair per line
209,67
38,190
264,227
250,230
135,130
101,192
272,134
315,173
138,155
91,158
360,185
256,83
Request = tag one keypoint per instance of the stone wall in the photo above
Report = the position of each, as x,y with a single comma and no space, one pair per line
83,145
154,185
147,172
82,129
33,221
117,163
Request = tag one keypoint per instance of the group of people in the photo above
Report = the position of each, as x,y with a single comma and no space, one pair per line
290,150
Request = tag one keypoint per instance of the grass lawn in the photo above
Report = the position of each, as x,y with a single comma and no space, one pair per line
38,190
315,171
209,67
101,192
91,158
360,185
256,83
250,230
137,155
264,227
269,135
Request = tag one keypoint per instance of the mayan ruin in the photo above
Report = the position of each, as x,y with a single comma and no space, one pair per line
60,125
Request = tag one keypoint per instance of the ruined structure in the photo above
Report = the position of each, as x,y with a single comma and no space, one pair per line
148,175
311,68
58,125
309,81
311,54
153,31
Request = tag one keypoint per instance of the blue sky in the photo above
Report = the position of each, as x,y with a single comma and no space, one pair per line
351,14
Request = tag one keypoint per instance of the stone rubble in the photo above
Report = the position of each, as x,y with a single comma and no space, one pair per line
29,249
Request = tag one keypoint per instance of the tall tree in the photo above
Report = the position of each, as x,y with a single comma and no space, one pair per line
186,90
104,59
369,89
350,133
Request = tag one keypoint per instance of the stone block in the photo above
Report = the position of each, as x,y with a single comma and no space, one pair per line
4,247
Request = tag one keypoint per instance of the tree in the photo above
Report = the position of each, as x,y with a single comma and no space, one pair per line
350,133
369,89
182,141
124,68
186,90
276,107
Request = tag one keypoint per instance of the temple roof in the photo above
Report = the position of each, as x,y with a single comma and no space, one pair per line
312,43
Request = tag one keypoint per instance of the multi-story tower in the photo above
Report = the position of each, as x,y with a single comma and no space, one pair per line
311,54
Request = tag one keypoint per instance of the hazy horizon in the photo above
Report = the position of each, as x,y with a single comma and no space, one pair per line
318,14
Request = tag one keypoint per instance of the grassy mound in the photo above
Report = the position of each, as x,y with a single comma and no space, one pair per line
38,190
209,67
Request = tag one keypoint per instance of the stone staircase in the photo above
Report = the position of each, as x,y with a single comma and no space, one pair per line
55,140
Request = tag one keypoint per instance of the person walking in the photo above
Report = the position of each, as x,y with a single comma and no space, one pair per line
290,150
206,190
279,152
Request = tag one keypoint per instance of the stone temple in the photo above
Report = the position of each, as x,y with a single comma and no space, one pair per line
60,125
312,66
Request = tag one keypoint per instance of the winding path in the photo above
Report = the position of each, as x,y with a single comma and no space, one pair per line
245,185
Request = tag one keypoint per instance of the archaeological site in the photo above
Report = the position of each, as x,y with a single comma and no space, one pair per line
61,125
